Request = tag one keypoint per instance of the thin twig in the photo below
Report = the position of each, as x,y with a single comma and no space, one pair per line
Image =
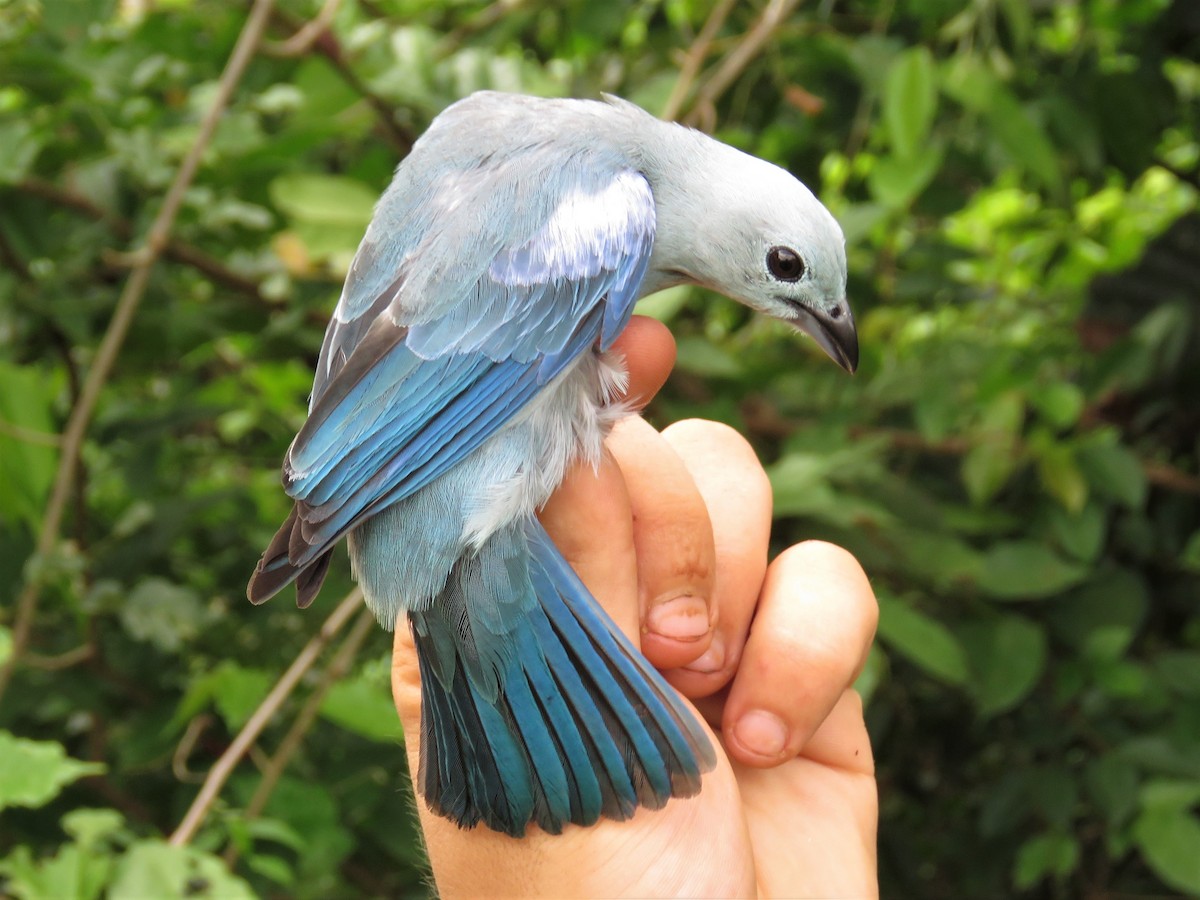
742,54
695,58
118,327
302,41
1167,476
328,47
241,744
187,743
59,661
278,763
176,250
29,436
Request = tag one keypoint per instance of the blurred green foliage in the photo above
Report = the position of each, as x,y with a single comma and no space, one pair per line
1016,463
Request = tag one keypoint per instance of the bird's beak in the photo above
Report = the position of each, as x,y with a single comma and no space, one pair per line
834,332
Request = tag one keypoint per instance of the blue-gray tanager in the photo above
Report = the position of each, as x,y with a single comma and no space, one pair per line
466,367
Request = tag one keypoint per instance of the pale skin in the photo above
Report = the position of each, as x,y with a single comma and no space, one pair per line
671,536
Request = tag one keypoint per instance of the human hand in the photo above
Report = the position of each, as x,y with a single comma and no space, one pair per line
671,536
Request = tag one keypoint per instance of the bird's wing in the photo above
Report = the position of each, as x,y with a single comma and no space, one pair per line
405,390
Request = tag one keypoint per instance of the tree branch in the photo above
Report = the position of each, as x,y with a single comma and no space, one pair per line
695,58
327,46
742,54
302,41
135,288
277,764
175,250
241,744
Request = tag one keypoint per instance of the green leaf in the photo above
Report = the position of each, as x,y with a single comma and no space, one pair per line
910,101
992,459
1081,534
1007,658
923,640
1047,855
942,559
1171,793
1060,403
1121,679
1155,752
1190,557
703,357
896,181
90,826
969,81
1025,570
1102,616
164,614
1060,474
28,453
156,869
32,773
19,147
1114,471
73,872
1113,784
873,672
365,708
1180,671
331,200
986,468
262,829
665,305
802,486
273,868
234,690
1169,841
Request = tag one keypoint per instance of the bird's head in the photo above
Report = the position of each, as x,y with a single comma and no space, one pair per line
753,232
786,257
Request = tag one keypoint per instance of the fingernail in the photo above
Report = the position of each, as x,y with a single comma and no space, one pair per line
712,659
762,732
680,618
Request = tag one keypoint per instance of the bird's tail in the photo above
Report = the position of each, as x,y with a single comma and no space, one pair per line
535,707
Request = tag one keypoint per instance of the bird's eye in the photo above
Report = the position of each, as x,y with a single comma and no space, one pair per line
785,264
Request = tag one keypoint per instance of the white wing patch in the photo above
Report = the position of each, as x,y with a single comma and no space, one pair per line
588,232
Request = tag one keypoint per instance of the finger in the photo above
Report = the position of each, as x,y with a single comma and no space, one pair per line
589,520
827,803
841,741
810,636
673,540
649,352
737,495
589,516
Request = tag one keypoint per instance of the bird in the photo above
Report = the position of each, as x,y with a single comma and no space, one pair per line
467,365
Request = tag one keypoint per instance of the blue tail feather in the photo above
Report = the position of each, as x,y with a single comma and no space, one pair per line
685,742
546,713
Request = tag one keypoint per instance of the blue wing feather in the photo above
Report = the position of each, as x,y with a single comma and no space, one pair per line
401,399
